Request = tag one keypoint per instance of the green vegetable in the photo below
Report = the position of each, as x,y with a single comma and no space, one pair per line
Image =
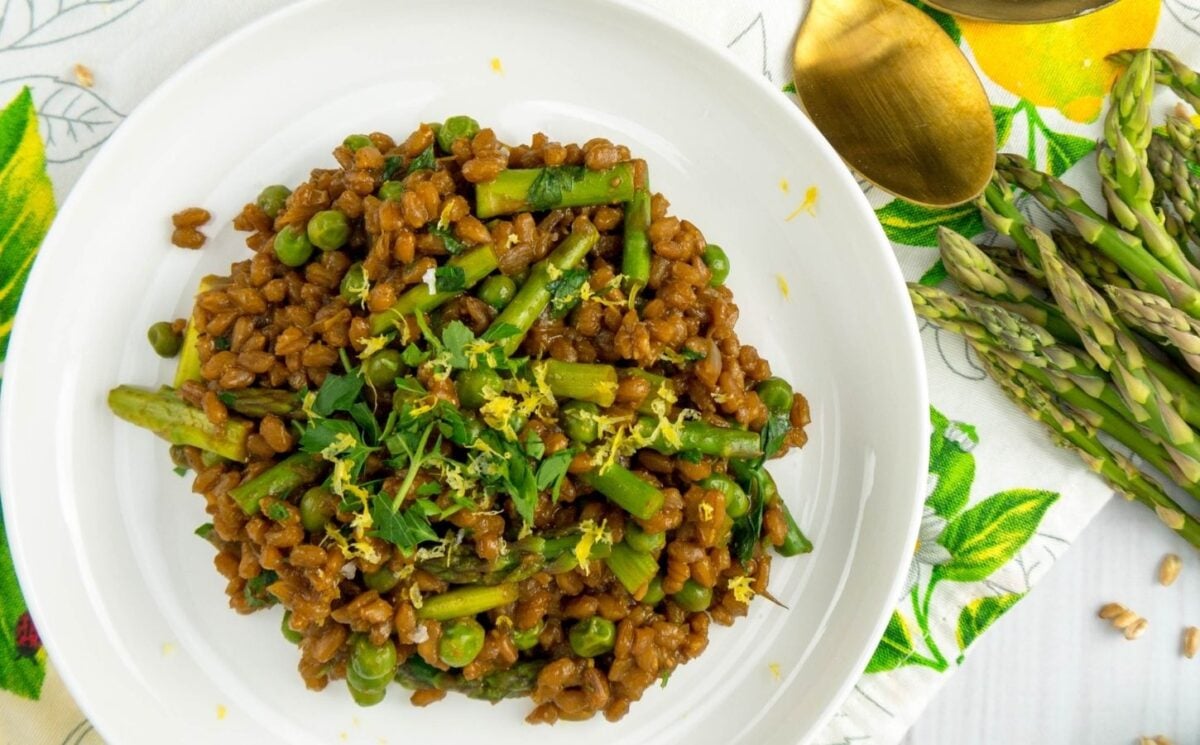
580,381
736,501
423,162
515,682
357,142
449,279
456,128
776,395
272,199
717,263
164,340
289,473
167,415
578,420
635,260
632,568
644,542
328,230
476,387
461,642
654,592
476,264
624,489
467,601
703,438
391,190
497,291
553,187
526,639
292,246
370,669
593,636
285,627
693,597
381,580
382,368
355,284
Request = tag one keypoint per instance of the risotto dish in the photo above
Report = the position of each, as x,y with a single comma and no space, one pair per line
476,417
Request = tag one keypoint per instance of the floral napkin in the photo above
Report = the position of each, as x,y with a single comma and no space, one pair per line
1001,503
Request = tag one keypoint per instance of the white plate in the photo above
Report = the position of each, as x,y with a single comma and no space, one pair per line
126,598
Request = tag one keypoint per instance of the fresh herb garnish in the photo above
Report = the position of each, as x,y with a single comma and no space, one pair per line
748,527
391,166
552,471
500,332
278,512
205,530
405,529
337,393
535,447
548,187
413,355
692,355
429,489
180,470
423,162
455,337
255,591
448,278
774,432
221,343
453,245
564,291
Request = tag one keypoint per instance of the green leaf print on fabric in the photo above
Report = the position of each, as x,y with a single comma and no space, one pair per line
26,204
915,225
22,659
1003,116
956,543
987,536
935,274
1064,150
979,615
895,649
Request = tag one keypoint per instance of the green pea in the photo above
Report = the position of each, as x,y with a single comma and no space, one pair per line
285,627
381,580
354,284
776,395
317,507
640,540
381,368
272,199
365,698
694,597
476,386
454,129
392,190
718,264
497,291
525,639
374,664
461,642
357,142
163,338
654,593
578,420
736,501
292,246
593,636
328,230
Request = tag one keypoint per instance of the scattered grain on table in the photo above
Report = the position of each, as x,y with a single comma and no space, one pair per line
1124,619
1168,569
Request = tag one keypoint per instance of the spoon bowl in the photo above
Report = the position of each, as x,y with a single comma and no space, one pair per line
896,98
1019,11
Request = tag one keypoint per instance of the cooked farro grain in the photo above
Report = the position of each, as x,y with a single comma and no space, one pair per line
460,486
1124,620
1191,641
1168,569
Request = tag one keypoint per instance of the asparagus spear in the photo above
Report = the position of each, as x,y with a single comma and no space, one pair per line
288,474
476,264
625,489
1015,263
580,381
1098,268
702,437
661,388
1183,137
523,559
998,205
633,569
259,402
635,261
1176,184
1075,434
795,542
534,295
1113,349
465,601
515,682
188,367
553,187
1155,316
167,415
1168,70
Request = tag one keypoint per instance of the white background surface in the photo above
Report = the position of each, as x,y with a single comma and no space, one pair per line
1052,672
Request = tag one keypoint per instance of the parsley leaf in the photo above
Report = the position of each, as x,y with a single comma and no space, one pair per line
180,470
221,343
748,527
405,529
365,419
429,489
413,356
564,291
774,432
321,434
553,469
456,336
256,593
500,332
205,530
448,278
692,355
277,512
337,393
535,447
423,162
391,166
453,245
453,425
547,188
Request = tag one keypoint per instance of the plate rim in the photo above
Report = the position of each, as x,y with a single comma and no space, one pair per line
911,347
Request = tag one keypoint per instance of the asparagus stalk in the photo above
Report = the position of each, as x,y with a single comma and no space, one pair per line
553,187
523,559
1098,268
259,402
290,473
580,381
625,489
702,437
476,264
515,682
1155,316
1184,137
633,569
635,261
661,389
1146,397
167,415
1168,70
534,295
998,205
188,367
1015,263
1176,184
1074,434
467,601
745,471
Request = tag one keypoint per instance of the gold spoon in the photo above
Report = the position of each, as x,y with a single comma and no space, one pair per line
1019,11
896,99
